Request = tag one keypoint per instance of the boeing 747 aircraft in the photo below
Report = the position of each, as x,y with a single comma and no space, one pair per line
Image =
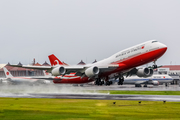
116,66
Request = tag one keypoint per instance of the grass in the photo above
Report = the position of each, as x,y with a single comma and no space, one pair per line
140,92
79,109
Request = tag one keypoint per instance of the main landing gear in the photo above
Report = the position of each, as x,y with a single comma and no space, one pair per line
101,82
138,85
108,83
121,80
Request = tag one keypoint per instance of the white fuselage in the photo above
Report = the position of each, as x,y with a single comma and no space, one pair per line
160,78
29,80
131,52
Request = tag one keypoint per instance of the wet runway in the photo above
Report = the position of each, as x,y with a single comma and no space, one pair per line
85,92
132,87
174,98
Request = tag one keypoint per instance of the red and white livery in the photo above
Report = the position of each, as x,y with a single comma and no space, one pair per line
117,65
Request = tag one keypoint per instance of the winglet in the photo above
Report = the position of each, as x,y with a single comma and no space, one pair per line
54,60
7,73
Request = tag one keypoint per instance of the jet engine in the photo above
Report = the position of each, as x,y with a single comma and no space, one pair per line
58,71
92,71
155,83
144,72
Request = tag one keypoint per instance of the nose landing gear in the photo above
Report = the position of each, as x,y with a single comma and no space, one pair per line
154,66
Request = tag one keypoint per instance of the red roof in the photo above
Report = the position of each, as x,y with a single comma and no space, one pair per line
171,67
45,64
10,68
37,64
81,63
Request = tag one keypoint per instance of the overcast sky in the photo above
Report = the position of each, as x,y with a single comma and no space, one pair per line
85,30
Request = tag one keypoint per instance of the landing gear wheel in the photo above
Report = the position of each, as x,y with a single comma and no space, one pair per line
154,66
102,82
98,82
121,80
166,84
107,83
110,82
145,85
138,85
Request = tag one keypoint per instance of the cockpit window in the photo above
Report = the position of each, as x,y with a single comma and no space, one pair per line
154,41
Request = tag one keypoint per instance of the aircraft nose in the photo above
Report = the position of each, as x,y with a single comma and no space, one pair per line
163,46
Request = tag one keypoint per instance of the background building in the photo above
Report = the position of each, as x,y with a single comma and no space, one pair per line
17,71
171,70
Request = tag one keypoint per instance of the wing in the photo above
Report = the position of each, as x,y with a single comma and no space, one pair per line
78,69
83,68
134,70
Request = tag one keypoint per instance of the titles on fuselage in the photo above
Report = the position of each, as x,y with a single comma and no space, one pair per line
157,77
131,50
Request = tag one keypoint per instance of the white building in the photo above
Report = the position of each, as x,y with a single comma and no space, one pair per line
172,70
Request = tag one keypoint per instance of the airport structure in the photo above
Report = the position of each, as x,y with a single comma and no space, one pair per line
171,70
16,71
81,63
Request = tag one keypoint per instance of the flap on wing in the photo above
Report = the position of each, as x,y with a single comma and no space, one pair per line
81,69
74,67
70,69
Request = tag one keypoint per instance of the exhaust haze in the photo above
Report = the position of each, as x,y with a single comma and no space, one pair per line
62,89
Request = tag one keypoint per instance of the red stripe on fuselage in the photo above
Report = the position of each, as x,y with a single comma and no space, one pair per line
78,80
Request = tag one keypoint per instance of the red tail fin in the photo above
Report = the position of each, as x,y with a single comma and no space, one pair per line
54,60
